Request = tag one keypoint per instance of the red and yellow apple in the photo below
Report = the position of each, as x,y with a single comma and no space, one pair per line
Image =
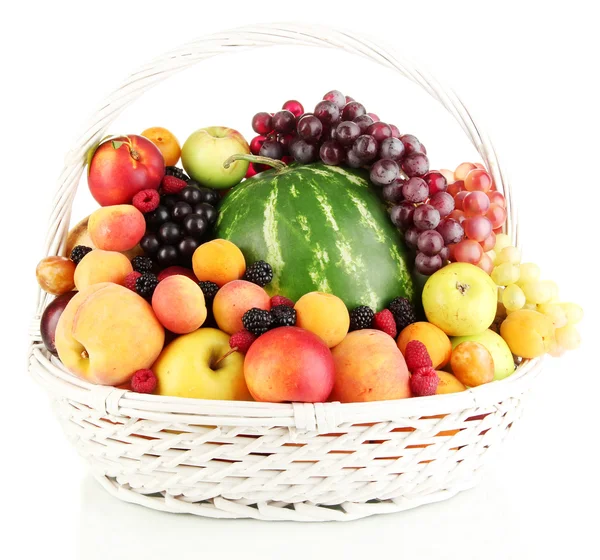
123,166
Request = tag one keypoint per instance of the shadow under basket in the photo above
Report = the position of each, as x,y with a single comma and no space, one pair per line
300,462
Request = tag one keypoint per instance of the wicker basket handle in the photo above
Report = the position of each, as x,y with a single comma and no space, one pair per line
239,40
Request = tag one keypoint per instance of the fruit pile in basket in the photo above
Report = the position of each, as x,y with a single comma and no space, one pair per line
322,261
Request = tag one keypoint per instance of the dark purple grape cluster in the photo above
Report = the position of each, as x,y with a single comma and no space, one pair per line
179,225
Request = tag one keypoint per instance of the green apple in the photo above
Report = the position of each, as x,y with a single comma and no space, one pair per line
193,366
460,299
504,363
205,151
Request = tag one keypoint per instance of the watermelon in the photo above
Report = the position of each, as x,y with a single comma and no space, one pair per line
322,228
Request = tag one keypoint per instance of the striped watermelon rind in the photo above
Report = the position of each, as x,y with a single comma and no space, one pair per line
321,228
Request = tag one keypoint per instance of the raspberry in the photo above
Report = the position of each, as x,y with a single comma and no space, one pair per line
384,321
242,340
146,201
172,185
416,356
424,382
144,381
281,300
131,279
361,317
173,270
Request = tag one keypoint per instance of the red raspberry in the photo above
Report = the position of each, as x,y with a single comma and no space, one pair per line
416,356
146,201
172,185
144,381
242,340
424,382
173,270
281,300
130,280
384,321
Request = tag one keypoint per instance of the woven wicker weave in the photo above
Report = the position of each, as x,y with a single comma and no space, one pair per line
303,462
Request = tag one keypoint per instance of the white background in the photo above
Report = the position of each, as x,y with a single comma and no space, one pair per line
529,69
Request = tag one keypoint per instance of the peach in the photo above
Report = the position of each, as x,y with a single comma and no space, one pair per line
179,304
56,275
101,266
117,228
289,364
218,261
233,300
435,340
369,367
106,333
448,384
528,333
325,315
166,142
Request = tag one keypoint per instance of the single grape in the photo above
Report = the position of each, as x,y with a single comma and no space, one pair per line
384,172
426,217
395,131
442,202
207,211
477,228
478,180
573,311
448,175
457,215
508,254
391,148
401,215
380,131
456,187
436,182
513,297
353,160
302,151
475,203
430,242
336,97
363,122
445,254
352,110
157,217
347,132
284,121
150,244
415,164
415,190
451,231
169,233
502,240
331,153
180,211
496,214
530,272
286,140
309,128
262,123
486,264
374,117
167,255
294,107
568,338
349,98
461,171
195,225
411,236
271,149
411,144
555,312
256,143
365,147
459,200
327,112
393,193
489,242
496,198
505,274
537,292
187,246
467,251
427,265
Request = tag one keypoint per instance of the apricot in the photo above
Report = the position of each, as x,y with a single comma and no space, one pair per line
528,333
325,315
233,300
218,261
116,228
472,364
56,275
179,304
448,383
101,266
166,142
106,333
435,340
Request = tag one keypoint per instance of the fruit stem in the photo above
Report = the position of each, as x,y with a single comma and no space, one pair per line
274,163
224,356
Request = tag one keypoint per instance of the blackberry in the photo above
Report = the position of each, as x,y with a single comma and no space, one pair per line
403,311
146,284
176,172
209,289
142,264
259,273
361,317
257,321
78,252
283,316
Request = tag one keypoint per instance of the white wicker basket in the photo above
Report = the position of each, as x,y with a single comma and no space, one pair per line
302,462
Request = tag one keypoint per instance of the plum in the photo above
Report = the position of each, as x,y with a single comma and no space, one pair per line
50,319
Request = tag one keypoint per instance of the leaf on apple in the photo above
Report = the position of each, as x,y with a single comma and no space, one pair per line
116,144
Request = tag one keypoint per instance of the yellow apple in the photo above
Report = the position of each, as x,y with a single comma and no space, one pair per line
191,367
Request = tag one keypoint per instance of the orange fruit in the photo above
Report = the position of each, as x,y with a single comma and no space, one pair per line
435,340
166,142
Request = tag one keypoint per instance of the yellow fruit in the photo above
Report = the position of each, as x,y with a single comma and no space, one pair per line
537,292
509,254
448,384
504,364
502,240
555,312
166,142
435,340
505,274
574,312
568,337
528,333
472,364
530,272
513,297
325,315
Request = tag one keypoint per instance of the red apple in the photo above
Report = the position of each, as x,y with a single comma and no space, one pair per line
50,319
121,167
289,364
